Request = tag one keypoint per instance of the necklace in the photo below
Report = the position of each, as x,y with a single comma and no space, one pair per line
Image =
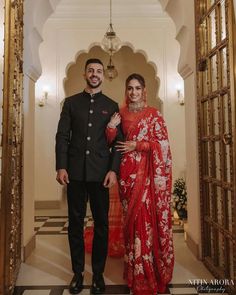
136,106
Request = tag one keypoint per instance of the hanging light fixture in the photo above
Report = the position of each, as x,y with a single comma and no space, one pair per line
110,72
110,43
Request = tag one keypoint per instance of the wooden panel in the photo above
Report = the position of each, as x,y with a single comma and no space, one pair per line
216,121
11,165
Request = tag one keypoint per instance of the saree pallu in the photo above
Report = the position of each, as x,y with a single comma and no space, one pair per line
145,192
116,239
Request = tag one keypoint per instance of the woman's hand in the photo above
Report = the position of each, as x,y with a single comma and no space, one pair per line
115,120
125,147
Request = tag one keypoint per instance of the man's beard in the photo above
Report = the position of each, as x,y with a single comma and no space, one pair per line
93,86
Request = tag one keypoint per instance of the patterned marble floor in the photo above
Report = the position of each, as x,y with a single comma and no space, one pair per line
57,225
48,271
180,289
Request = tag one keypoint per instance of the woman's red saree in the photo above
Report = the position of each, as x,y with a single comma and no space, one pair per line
145,192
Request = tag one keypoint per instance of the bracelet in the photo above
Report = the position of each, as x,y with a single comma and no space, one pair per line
110,125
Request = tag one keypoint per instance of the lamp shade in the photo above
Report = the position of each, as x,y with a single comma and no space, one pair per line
110,43
110,72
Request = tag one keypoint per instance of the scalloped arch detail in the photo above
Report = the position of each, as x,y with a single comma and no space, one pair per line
128,44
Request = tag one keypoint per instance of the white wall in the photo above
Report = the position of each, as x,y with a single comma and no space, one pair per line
63,41
185,34
28,160
35,14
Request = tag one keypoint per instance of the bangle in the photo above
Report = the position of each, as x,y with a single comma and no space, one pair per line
110,125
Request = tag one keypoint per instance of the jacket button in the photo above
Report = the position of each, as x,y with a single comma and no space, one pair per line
88,137
91,111
92,100
90,124
87,152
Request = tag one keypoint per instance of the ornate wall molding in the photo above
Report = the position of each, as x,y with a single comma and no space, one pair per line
128,44
184,66
36,15
159,102
185,34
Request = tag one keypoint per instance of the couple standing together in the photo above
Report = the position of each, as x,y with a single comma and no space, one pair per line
95,145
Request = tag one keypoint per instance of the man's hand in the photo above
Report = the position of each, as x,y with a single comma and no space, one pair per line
110,179
62,176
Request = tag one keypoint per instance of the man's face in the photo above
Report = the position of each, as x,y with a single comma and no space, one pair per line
94,75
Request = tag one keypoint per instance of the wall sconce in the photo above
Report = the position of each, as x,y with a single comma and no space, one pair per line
180,97
42,102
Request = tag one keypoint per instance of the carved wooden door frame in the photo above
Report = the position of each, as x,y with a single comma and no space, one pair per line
215,54
11,144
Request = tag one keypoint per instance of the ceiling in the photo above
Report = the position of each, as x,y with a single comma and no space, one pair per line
100,9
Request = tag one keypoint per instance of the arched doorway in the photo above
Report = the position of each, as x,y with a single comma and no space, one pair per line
37,42
126,62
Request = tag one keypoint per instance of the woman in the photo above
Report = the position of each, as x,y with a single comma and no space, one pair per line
145,191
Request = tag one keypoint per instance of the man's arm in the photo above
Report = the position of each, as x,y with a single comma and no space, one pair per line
63,137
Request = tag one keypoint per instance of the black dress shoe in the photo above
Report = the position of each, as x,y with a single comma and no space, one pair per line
98,284
76,284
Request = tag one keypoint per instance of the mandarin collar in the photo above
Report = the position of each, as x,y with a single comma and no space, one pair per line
93,95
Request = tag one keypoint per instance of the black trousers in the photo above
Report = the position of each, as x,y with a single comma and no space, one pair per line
77,194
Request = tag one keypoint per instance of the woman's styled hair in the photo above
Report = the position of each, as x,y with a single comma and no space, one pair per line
137,77
141,80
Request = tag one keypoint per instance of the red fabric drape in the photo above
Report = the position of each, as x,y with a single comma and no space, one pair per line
116,238
145,192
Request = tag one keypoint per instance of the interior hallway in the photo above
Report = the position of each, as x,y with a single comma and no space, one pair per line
48,270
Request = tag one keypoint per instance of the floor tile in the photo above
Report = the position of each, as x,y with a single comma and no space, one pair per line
48,270
50,228
37,292
84,292
39,223
59,219
56,224
183,291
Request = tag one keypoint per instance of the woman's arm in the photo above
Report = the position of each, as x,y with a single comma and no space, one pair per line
111,130
159,138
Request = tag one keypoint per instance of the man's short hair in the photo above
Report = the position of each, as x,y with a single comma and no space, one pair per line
93,61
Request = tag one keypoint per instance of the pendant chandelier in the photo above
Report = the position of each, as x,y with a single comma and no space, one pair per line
110,43
110,72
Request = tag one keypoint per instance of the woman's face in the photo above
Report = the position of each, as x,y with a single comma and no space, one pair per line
134,91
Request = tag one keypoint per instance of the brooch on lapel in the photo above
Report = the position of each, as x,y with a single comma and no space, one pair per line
105,112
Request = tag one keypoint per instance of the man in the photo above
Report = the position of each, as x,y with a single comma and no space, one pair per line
86,165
